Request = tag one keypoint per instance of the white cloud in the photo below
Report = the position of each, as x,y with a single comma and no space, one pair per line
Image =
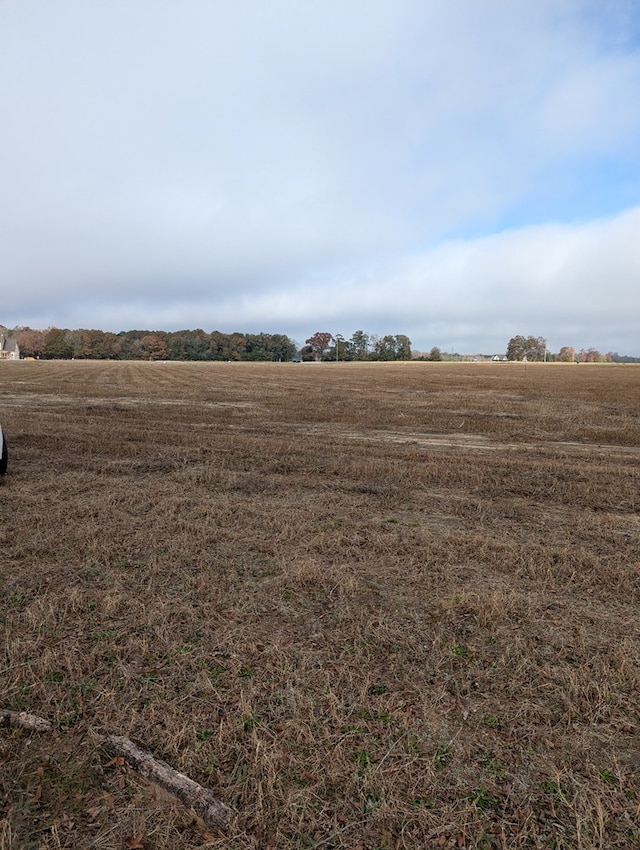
574,284
247,165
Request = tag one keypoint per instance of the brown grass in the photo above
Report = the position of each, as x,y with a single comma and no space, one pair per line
369,605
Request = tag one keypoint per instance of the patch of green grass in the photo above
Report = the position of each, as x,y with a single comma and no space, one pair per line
106,634
194,640
84,686
362,759
492,763
442,756
250,722
350,728
557,790
204,734
70,720
607,776
411,745
375,717
421,803
150,676
55,676
482,798
371,801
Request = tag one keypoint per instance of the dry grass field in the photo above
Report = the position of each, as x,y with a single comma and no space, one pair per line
370,606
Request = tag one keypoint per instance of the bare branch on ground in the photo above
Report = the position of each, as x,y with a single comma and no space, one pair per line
203,802
24,720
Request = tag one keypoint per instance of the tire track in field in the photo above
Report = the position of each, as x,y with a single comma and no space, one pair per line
472,442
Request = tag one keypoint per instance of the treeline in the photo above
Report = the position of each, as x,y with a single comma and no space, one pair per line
360,346
63,344
534,348
84,344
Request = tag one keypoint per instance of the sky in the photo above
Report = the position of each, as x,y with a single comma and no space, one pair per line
460,171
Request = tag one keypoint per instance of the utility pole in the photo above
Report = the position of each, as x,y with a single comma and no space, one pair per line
338,339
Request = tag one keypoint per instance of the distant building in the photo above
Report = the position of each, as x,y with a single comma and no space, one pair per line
8,348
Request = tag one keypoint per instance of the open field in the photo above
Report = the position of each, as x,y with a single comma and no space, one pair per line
370,606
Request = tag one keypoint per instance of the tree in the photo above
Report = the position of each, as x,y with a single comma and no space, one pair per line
340,350
154,346
307,354
57,345
281,347
390,347
531,348
228,346
30,342
567,354
257,347
93,344
131,345
435,354
386,348
403,347
358,346
319,342
80,348
265,346
216,345
188,345
592,355
516,348
536,348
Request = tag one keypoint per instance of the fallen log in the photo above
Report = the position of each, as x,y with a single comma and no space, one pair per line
213,812
24,720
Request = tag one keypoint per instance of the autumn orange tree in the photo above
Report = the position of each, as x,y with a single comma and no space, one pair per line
319,343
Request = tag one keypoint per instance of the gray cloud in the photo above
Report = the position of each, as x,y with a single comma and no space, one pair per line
455,171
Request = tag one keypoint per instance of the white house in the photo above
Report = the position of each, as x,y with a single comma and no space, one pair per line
8,348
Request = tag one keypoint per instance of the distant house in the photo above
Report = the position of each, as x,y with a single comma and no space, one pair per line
8,348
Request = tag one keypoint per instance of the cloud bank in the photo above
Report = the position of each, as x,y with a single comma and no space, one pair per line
456,171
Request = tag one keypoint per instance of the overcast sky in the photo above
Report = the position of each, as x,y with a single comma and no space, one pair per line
456,170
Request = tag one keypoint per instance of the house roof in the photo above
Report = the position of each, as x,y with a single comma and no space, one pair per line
8,343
